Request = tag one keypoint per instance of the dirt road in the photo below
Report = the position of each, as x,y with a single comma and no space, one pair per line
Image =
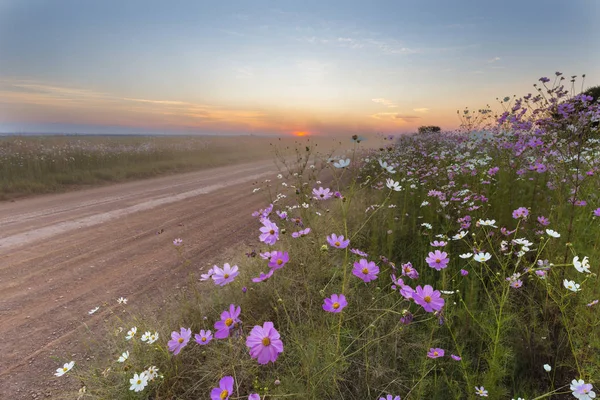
63,255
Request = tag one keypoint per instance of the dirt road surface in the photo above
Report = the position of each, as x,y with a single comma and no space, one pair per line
63,255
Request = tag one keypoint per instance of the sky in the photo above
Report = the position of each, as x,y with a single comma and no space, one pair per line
279,67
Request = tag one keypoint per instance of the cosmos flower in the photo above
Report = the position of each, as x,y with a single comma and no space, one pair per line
270,232
409,270
337,241
520,212
482,257
582,390
582,266
438,260
466,255
435,352
359,252
552,233
342,163
263,277
335,303
178,242
431,300
455,357
225,389
571,285
391,184
138,382
226,275
264,343
204,337
278,259
123,357
122,300
131,333
322,194
93,310
66,368
301,233
365,270
390,397
480,391
227,322
179,340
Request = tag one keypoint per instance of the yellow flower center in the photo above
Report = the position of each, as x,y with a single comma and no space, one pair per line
266,341
437,260
337,244
224,394
272,232
365,271
427,299
279,262
336,305
65,369
139,382
226,276
228,321
435,353
180,340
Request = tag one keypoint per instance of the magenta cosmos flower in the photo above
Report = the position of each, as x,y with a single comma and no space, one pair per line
204,337
225,275
224,390
335,303
263,276
254,396
455,357
278,259
431,300
301,233
338,241
179,340
270,232
359,252
435,353
365,270
322,194
390,397
438,260
409,270
227,322
264,342
520,212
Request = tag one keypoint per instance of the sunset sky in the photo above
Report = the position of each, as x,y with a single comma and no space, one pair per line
279,67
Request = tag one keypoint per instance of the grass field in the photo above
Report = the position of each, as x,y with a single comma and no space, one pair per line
468,267
45,164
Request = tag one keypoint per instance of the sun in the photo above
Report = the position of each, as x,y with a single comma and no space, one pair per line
300,133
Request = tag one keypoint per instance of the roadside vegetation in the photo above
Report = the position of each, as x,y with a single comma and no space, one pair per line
440,265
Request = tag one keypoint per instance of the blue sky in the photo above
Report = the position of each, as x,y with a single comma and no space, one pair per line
279,66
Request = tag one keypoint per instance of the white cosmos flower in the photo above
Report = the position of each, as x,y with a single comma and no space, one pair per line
66,368
424,203
138,382
583,265
552,233
482,257
124,357
547,367
151,372
387,167
342,163
93,310
279,176
466,255
305,205
146,336
571,285
426,225
391,184
131,333
459,235
487,222
122,300
153,338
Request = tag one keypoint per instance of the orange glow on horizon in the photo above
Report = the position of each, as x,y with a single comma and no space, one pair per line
300,133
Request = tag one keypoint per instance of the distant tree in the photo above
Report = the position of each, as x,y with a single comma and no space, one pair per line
594,91
429,128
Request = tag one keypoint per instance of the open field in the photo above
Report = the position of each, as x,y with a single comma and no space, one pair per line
44,164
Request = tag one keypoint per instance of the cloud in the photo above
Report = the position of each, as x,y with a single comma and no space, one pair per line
168,102
396,117
493,60
385,102
384,46
421,110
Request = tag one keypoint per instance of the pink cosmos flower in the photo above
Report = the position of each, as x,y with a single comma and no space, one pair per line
177,242
455,358
438,260
436,243
207,275
337,241
225,389
359,252
543,220
265,256
428,298
464,272
322,194
596,212
264,343
179,340
228,321
435,353
226,275
335,303
301,233
204,337
408,270
254,396
365,270
520,212
263,276
278,259
270,232
390,397
282,214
